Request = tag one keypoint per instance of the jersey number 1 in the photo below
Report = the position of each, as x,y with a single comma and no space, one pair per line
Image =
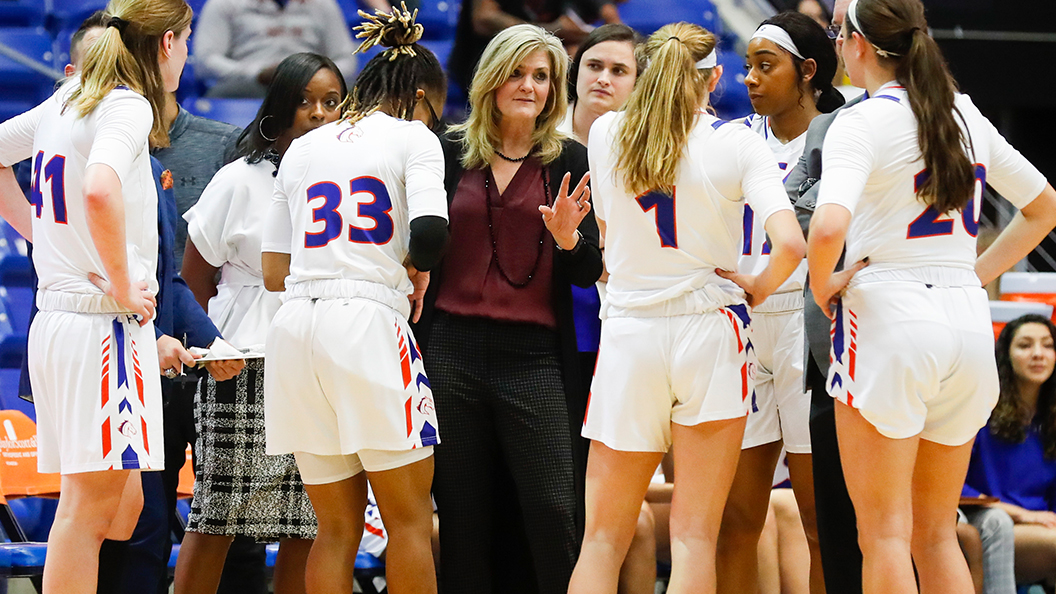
664,213
928,224
376,210
54,172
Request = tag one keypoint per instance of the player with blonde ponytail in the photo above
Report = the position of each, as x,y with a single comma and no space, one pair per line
93,217
676,362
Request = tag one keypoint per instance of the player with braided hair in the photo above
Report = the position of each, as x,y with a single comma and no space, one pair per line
358,217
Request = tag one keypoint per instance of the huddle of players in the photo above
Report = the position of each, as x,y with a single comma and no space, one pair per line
913,369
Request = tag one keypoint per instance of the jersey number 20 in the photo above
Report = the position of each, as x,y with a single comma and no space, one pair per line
54,172
376,210
928,224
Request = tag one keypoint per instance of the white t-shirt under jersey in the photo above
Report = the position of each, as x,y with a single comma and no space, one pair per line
872,163
62,145
345,196
755,252
227,226
661,247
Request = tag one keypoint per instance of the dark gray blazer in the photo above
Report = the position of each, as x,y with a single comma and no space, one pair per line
802,189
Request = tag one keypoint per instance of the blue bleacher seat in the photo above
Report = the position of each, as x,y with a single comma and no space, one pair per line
22,13
730,98
19,84
441,49
439,18
646,16
68,14
237,112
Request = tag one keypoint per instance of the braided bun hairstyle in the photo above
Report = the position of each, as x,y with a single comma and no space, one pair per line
392,78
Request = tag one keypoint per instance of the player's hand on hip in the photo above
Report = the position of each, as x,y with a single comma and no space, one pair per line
225,369
827,296
568,211
420,280
172,356
137,297
753,294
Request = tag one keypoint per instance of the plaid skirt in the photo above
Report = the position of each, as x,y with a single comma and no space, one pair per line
239,490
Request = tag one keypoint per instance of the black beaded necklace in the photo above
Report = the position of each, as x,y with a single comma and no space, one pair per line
511,159
491,230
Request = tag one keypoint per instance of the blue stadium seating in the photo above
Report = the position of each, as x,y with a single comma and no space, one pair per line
68,14
237,112
22,13
438,18
730,99
9,399
440,47
20,84
646,16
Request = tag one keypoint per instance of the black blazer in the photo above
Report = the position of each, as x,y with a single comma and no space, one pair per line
582,268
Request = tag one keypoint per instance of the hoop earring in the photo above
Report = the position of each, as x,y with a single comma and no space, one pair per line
260,127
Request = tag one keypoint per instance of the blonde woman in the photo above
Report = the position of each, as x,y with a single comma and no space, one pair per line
675,365
501,346
93,218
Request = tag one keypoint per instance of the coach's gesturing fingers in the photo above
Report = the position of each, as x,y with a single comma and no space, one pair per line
563,218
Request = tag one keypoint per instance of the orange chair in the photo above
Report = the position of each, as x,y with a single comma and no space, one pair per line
185,488
1003,312
18,459
1036,287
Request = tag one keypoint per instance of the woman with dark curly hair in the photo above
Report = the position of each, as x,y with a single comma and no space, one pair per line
1014,457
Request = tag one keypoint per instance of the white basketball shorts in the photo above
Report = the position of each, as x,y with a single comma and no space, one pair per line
915,359
652,372
97,391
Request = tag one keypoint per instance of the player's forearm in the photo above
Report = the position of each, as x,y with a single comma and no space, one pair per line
828,229
1020,237
14,207
276,268
787,250
428,241
105,215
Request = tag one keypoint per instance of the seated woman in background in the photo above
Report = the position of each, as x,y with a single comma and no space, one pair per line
1014,457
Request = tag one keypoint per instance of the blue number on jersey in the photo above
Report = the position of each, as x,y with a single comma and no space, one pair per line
376,210
928,224
664,214
326,213
749,232
55,173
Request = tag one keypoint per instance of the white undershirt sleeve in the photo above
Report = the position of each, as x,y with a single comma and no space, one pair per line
122,125
16,136
847,159
424,180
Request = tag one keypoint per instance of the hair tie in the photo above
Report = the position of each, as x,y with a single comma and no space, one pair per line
675,38
118,23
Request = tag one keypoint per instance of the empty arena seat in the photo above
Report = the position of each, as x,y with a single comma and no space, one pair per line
20,84
9,400
1003,312
237,112
730,98
22,13
18,459
68,14
646,16
1029,286
438,18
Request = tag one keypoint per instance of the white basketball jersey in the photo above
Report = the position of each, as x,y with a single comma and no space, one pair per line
755,250
658,247
873,165
349,193
62,145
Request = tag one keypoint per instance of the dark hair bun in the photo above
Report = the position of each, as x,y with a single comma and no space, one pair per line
395,30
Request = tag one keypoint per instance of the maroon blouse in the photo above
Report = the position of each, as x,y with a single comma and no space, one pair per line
474,285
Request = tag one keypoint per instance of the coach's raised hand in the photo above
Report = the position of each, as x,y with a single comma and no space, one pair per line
563,218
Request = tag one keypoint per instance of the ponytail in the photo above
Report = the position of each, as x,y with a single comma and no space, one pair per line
830,99
126,54
898,31
663,108
392,78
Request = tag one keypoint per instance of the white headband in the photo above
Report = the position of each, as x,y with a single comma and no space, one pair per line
780,37
708,61
852,13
